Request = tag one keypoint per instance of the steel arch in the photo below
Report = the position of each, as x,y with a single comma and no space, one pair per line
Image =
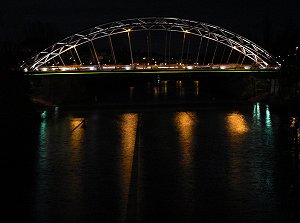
251,50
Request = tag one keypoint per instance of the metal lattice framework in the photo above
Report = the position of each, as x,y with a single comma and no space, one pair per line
236,42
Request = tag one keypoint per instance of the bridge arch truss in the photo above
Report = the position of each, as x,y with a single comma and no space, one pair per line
249,49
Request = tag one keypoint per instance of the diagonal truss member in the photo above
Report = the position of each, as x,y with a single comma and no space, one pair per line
204,30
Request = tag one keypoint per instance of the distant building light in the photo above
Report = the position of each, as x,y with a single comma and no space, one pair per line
127,67
44,68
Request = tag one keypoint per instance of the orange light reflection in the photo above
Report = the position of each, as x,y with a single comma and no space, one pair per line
236,124
237,127
185,126
128,127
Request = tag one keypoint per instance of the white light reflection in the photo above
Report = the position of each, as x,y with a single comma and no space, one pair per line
268,117
56,109
256,113
44,115
43,141
42,164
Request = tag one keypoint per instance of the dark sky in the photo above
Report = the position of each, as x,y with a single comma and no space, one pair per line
275,22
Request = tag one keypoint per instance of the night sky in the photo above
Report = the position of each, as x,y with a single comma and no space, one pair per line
273,25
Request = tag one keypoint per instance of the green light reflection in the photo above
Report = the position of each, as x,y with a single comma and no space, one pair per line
268,117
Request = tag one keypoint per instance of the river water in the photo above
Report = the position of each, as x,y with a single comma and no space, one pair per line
210,164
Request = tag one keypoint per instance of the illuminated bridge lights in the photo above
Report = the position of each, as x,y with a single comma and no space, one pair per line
145,67
153,43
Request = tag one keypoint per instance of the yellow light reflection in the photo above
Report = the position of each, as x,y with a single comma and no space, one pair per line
128,128
236,124
165,87
156,92
74,177
77,133
185,124
179,88
237,127
76,139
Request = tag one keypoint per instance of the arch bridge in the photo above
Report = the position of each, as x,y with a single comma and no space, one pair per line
153,43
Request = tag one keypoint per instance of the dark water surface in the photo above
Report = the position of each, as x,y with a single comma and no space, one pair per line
212,164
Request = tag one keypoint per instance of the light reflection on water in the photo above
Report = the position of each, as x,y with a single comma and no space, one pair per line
185,126
237,127
128,127
256,112
74,178
252,161
224,162
185,123
236,124
42,169
268,118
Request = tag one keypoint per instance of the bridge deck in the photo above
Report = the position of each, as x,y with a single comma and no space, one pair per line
128,72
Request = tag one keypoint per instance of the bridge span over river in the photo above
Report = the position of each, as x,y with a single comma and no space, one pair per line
168,57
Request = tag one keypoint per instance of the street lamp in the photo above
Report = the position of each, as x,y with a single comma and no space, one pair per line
296,53
128,33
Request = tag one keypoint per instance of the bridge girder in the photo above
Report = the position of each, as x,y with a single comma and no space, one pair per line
215,33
